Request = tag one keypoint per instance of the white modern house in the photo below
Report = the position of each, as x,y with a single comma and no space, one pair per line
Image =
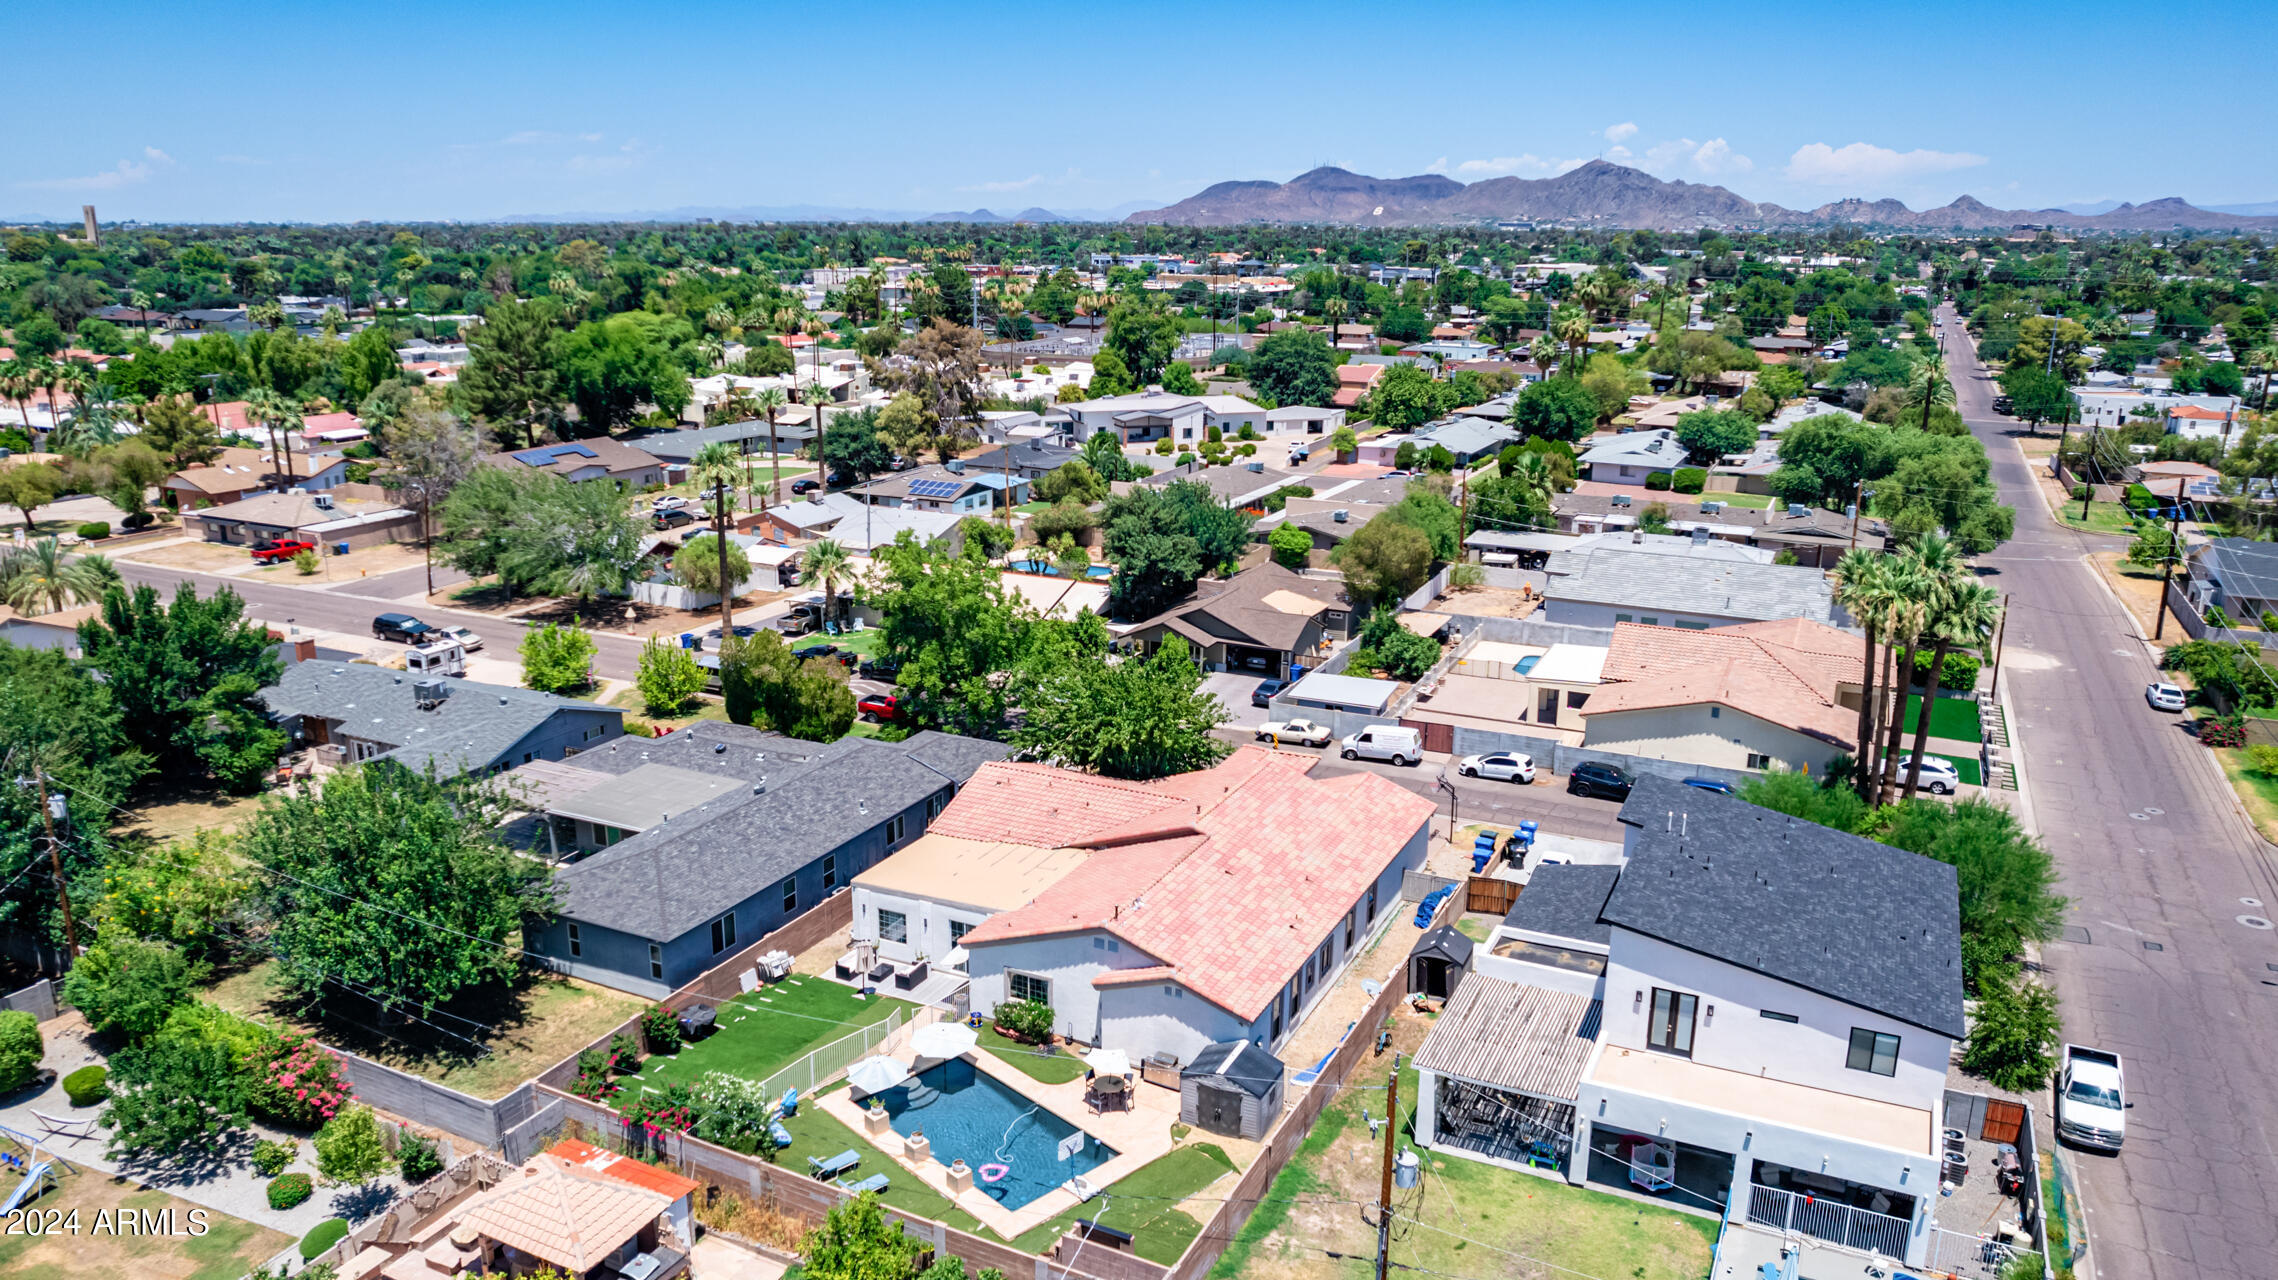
1754,1020
1155,414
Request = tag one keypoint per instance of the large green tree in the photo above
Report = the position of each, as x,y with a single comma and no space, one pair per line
1143,334
945,619
56,716
764,685
611,367
1386,561
511,380
1133,718
1404,397
1156,554
187,678
1556,409
1294,367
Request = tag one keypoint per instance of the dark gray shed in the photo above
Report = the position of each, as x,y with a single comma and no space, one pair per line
1438,962
1232,1088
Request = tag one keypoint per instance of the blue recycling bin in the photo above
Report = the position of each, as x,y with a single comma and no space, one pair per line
688,640
1526,833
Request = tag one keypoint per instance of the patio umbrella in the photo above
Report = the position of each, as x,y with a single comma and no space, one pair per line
944,1040
1108,1062
876,1074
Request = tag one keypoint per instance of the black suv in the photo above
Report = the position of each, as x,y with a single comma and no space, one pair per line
1594,779
400,626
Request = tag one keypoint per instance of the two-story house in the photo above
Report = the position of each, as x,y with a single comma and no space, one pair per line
1754,1021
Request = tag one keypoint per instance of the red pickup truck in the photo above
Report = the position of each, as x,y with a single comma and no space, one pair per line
279,550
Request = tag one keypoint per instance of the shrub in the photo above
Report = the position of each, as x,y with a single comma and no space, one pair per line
130,987
2215,617
306,563
139,520
2262,758
95,530
87,1086
660,1029
1658,482
1182,460
349,1148
297,1083
654,1113
1247,432
1164,446
1029,1021
2223,731
625,1052
1292,546
593,1080
290,1190
1466,577
2139,498
2080,493
1688,479
2269,620
323,1236
20,1049
737,1114
2013,1039
419,1160
272,1158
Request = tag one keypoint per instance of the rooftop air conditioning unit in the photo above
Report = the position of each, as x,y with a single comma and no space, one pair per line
956,466
1341,515
1621,499
429,694
1711,508
1798,511
324,502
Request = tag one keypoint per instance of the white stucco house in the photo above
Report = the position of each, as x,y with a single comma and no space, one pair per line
1629,459
1155,414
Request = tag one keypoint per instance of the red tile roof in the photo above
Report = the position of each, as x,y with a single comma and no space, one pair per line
1047,808
647,1177
1229,891
2194,411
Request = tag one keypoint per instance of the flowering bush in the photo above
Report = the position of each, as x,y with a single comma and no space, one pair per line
297,1084
654,1113
593,1080
625,1053
661,1029
2223,731
290,1190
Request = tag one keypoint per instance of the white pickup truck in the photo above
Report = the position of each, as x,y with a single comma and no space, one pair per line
2091,1099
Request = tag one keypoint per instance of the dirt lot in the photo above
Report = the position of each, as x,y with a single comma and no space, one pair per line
178,813
227,1248
1490,602
206,557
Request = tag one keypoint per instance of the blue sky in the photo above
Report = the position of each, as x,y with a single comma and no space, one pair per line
318,111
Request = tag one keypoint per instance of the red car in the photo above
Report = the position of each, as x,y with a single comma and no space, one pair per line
279,550
878,706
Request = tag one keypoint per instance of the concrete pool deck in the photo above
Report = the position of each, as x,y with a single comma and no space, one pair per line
1140,1136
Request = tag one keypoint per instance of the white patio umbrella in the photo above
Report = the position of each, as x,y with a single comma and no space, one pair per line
944,1040
876,1074
1109,1062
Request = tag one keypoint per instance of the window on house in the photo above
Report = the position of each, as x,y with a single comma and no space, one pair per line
1873,1051
1758,761
1372,904
576,940
830,872
895,826
723,933
893,926
1672,1024
1777,1016
957,930
1027,986
1352,921
933,807
1279,999
1651,620
1625,617
790,895
656,960
528,756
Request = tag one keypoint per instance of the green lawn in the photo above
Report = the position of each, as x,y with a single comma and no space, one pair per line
780,1024
1754,501
1492,1212
2103,517
1146,1205
1058,1068
1031,508
1952,718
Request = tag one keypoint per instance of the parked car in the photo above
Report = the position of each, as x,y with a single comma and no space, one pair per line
793,624
1402,746
400,626
1939,776
438,657
1306,732
1711,784
878,706
1591,778
2001,404
2164,696
814,651
669,502
805,484
671,518
2092,1099
1503,766
1263,695
279,550
879,669
468,640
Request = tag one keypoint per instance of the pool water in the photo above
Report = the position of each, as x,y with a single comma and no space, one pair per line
1526,664
1096,573
966,1114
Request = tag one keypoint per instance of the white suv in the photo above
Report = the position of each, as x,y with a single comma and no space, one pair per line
1939,776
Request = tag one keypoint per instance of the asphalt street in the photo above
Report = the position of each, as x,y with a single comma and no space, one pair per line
2169,959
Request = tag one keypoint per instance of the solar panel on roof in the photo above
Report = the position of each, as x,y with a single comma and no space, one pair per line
552,453
934,488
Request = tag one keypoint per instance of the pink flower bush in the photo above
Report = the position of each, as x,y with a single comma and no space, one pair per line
298,1084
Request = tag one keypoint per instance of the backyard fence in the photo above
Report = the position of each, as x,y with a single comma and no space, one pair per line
528,1138
421,1101
37,1000
826,1064
402,1220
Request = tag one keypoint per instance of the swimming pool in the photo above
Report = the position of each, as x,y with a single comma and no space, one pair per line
1097,572
1526,664
966,1114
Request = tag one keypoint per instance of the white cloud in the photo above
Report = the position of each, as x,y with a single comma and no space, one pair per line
1014,184
589,137
1622,132
1437,166
1617,153
1717,156
127,173
153,153
1866,163
1529,163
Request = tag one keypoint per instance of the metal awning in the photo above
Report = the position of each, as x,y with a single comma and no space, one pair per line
1526,1039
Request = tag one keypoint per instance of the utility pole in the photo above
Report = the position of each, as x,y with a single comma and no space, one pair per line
71,930
2088,490
2000,635
1858,504
1384,1194
2167,563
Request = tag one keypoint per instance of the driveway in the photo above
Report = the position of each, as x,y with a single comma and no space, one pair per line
1234,689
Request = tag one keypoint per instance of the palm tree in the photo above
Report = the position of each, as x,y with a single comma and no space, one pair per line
1930,389
276,411
1904,616
1530,473
715,467
39,578
2265,358
1862,588
770,400
1544,350
91,424
1335,309
1965,617
1572,326
1927,574
825,561
18,382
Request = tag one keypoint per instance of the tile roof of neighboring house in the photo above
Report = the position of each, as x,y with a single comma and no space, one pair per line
1265,605
236,469
1562,900
625,1169
1637,449
676,874
1857,921
1009,802
469,731
302,512
2194,411
1360,373
614,457
1686,584
1229,891
565,1215
1787,672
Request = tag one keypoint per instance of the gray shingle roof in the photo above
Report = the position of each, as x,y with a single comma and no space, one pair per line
1857,921
1240,1063
2244,568
1564,901
472,728
680,873
1693,584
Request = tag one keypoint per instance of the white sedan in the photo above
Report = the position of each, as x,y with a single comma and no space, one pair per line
2163,696
1304,732
1503,766
468,640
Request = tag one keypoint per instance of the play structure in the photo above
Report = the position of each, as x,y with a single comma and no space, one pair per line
31,1168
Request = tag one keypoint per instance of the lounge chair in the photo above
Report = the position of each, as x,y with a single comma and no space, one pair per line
790,1103
776,1131
875,1182
748,980
833,1167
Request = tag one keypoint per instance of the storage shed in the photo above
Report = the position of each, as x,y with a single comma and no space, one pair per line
1232,1088
1438,962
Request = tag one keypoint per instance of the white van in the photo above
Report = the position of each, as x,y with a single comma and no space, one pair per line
440,658
1385,742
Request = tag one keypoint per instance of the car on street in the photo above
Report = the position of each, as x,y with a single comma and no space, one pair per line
1939,776
1592,778
1503,766
845,659
468,640
1711,784
805,484
669,502
2092,1100
1262,696
2001,404
793,624
279,550
1398,743
671,518
2164,696
878,706
1306,732
401,626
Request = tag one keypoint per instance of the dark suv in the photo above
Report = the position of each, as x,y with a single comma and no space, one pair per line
1594,779
400,626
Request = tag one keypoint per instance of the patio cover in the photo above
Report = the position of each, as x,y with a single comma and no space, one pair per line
1526,1039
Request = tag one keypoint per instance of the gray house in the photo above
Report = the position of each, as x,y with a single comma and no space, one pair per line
691,847
362,712
1609,584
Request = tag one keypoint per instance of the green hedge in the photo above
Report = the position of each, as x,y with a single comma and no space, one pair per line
1689,480
87,1086
323,1236
289,1190
1658,482
95,530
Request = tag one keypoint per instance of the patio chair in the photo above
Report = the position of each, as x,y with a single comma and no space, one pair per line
912,978
833,1167
65,1126
875,1182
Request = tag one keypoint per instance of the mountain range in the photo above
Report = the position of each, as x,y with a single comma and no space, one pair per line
1606,194
828,213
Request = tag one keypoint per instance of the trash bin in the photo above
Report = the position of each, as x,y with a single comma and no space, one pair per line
340,548
688,640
